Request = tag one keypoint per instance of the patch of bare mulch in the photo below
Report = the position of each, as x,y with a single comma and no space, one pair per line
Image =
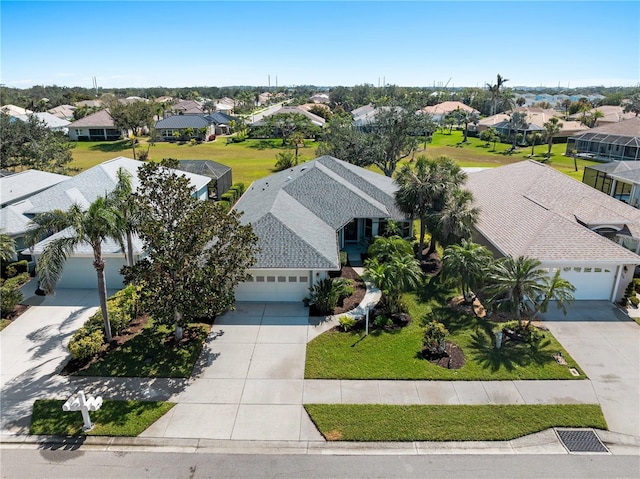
452,358
477,309
432,264
135,326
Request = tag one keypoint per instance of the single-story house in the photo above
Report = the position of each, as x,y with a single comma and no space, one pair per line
304,216
530,209
98,126
439,111
24,184
618,179
188,107
173,127
320,98
363,115
14,223
83,189
13,110
315,119
63,111
611,114
613,141
52,122
221,176
536,117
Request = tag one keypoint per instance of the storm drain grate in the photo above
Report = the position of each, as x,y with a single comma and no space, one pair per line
581,440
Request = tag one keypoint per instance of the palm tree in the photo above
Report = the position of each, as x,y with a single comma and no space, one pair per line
551,128
633,104
422,189
384,249
494,91
456,220
517,121
513,283
467,262
594,117
557,289
297,140
98,223
122,200
401,273
7,247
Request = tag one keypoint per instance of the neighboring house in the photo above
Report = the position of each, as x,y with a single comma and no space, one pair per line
98,126
13,110
52,122
225,105
14,223
530,209
439,111
187,107
221,122
264,98
304,216
64,112
173,127
83,189
611,114
536,117
315,119
220,174
24,184
89,103
320,98
363,115
619,179
614,141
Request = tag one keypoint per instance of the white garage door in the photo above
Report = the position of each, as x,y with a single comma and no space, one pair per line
79,273
275,286
592,283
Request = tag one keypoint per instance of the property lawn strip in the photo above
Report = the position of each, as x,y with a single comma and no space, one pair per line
397,354
381,422
152,353
114,418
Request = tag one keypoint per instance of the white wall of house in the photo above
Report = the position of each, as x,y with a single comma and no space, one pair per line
278,285
605,282
79,273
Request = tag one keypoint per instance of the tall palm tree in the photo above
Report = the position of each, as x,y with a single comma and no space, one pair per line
494,91
122,200
558,290
468,263
99,222
515,283
7,247
551,128
456,220
423,188
517,121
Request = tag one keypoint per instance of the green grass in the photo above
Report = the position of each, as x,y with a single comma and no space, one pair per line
397,354
114,418
146,355
254,159
379,422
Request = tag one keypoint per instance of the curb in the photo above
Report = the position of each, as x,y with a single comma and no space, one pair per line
544,442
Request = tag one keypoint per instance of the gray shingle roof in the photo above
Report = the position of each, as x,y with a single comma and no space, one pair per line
99,180
12,220
100,119
26,183
109,246
296,213
208,168
531,209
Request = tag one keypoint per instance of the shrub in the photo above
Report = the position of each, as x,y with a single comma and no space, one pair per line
324,296
630,291
16,281
11,297
240,187
85,343
343,287
224,204
381,321
16,267
347,323
228,197
634,300
343,258
433,337
285,160
636,284
530,334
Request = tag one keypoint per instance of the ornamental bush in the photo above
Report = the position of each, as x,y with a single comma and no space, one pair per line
433,337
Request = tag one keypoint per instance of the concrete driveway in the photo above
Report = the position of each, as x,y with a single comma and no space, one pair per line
249,382
606,344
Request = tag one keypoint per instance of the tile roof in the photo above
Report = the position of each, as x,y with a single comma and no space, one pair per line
530,209
296,213
626,128
447,107
99,180
26,183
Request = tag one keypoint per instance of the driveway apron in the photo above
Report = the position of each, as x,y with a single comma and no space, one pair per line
606,344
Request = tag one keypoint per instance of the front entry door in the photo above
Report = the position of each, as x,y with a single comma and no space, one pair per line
351,232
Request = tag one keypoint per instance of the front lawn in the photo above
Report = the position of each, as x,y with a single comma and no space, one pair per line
381,422
151,353
397,354
114,418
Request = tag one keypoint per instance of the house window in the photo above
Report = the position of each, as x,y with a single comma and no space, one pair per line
597,270
587,270
293,279
282,279
577,270
303,279
260,279
250,279
271,279
566,268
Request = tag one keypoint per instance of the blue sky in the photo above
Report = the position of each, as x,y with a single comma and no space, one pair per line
419,43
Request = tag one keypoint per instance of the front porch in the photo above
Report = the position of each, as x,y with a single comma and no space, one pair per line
356,236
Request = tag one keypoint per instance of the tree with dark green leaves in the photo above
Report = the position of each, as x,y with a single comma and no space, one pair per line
132,116
30,144
632,105
467,263
101,221
7,247
122,199
517,122
196,253
455,220
551,128
286,124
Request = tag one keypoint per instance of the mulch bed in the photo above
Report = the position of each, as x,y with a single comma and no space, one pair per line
453,357
17,311
432,264
351,302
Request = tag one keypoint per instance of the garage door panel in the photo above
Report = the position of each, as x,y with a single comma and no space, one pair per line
79,273
275,286
591,284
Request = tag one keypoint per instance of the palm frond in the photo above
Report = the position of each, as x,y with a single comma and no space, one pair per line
51,262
